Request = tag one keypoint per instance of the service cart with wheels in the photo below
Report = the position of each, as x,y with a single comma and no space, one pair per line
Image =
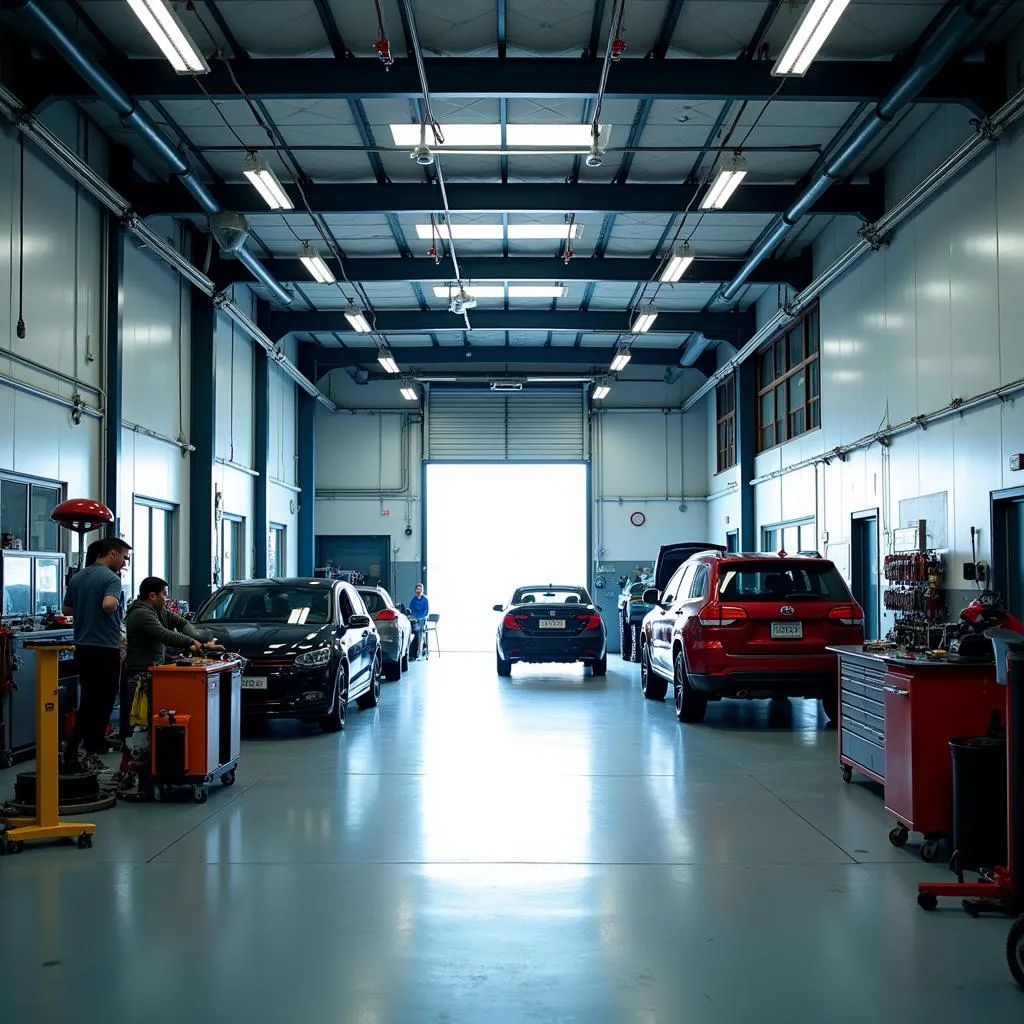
196,726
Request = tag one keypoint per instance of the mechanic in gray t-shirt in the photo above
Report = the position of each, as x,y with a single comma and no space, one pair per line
94,599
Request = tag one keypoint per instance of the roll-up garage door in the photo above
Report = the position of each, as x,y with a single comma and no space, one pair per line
496,426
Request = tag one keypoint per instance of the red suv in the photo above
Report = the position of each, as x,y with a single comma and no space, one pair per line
742,625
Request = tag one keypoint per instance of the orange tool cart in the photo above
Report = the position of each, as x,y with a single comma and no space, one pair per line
196,724
46,824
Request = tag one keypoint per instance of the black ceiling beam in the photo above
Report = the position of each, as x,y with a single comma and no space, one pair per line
796,272
721,326
667,30
148,198
330,27
687,79
466,358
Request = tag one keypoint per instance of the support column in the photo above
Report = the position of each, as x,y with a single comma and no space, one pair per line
261,457
202,428
114,372
746,446
306,444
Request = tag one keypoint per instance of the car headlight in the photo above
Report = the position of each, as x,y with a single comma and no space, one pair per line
314,659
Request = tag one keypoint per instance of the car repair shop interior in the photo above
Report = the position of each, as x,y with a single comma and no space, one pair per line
692,326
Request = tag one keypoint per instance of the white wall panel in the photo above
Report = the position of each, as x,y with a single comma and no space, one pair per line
234,373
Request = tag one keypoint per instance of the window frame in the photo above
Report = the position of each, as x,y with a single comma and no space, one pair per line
774,534
139,570
31,483
789,421
725,424
228,524
699,584
277,567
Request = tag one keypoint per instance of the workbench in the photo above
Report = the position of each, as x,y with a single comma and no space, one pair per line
897,714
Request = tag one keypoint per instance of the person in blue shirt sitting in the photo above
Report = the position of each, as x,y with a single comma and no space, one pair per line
419,609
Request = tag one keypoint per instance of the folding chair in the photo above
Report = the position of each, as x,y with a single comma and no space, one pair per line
430,626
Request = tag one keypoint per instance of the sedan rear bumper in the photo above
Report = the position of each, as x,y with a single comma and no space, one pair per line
551,649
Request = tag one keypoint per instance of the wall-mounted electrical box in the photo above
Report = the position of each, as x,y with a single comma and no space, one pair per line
1016,462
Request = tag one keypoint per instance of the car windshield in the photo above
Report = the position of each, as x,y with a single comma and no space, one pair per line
272,603
780,581
551,595
374,600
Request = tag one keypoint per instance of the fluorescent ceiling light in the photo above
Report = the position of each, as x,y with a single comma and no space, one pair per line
601,391
515,291
266,182
169,34
677,265
730,174
646,317
620,360
387,360
357,319
489,135
409,393
809,36
314,263
495,231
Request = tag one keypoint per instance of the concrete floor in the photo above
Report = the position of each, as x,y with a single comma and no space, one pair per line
550,848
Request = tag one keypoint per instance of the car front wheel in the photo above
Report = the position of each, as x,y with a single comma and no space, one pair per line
652,685
691,706
334,720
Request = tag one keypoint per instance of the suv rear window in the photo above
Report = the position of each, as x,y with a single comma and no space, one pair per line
780,580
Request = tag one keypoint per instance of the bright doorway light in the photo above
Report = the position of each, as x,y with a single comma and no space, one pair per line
493,527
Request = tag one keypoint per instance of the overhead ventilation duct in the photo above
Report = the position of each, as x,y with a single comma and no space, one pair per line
230,230
942,45
131,116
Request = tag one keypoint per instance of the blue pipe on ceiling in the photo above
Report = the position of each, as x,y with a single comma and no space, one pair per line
109,91
933,56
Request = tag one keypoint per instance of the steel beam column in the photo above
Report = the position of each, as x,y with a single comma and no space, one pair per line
203,413
114,371
306,445
746,449
261,451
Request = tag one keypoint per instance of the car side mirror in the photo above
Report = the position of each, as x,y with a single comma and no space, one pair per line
358,621
651,595
498,608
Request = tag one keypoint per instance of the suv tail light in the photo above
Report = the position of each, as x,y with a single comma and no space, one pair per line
387,615
715,614
589,621
847,614
512,622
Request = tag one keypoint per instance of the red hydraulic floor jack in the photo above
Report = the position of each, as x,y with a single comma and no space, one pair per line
1001,890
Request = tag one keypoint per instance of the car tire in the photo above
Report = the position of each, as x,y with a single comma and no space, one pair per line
405,660
636,628
504,667
393,672
334,720
651,684
371,698
625,638
600,666
691,706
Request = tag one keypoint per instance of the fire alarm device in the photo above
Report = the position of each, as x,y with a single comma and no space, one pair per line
638,519
1017,462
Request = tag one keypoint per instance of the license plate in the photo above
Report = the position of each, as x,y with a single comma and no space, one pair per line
787,631
254,682
552,623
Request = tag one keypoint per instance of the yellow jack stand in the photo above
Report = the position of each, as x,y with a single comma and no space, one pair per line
46,824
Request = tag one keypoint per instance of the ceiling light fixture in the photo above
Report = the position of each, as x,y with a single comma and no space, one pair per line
461,301
465,136
730,174
811,31
409,393
387,361
169,34
601,390
421,151
266,182
515,291
677,265
596,155
357,319
620,360
645,318
314,263
496,232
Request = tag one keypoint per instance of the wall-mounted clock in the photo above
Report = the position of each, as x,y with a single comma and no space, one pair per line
638,519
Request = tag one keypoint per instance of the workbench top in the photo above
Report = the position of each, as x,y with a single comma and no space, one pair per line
902,659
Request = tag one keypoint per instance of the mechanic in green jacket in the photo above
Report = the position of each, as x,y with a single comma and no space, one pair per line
150,630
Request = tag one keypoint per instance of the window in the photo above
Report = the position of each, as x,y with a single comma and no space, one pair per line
700,579
725,409
789,387
151,541
232,549
276,551
25,509
792,537
679,585
309,604
779,579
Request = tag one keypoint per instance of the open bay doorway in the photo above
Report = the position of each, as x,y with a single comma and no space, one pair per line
492,527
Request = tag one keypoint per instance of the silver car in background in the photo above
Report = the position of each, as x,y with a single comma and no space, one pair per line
393,627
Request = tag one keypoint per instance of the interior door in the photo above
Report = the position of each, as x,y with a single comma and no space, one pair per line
864,570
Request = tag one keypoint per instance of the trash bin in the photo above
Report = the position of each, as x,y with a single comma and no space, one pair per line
979,803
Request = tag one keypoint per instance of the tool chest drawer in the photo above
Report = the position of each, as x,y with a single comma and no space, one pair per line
862,712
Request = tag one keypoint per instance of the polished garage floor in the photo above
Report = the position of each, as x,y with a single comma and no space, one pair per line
549,848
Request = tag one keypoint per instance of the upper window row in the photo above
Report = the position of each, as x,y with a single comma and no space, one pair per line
25,508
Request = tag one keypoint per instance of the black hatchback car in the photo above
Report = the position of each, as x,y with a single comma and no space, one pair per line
551,623
310,645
